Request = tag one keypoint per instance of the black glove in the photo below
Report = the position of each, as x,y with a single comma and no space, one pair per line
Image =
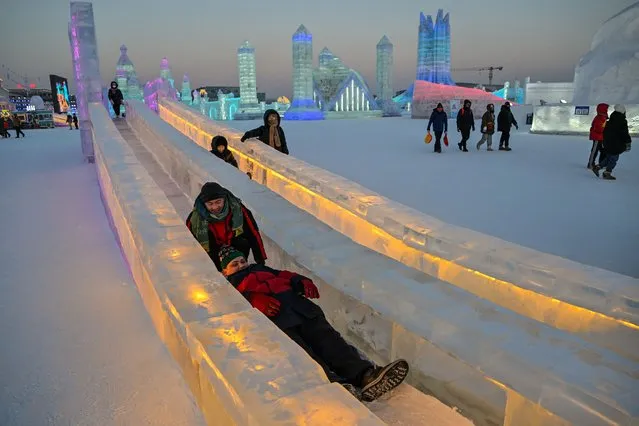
243,138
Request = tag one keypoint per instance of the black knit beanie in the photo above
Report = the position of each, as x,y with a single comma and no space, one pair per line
212,191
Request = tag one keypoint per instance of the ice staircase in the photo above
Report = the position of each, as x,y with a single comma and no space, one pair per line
407,405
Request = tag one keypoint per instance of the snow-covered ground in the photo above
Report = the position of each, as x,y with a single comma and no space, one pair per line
539,195
77,346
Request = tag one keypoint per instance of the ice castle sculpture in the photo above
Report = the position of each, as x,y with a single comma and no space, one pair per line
165,72
249,106
385,78
186,90
126,76
303,106
609,72
433,49
339,88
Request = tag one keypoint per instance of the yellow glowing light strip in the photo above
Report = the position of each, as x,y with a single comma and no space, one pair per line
566,316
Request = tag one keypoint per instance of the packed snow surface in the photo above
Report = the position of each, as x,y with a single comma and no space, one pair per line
78,347
539,195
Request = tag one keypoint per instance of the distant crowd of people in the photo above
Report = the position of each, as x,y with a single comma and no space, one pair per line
466,123
8,122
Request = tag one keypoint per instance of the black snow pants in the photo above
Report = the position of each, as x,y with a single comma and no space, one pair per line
19,132
504,139
116,109
465,133
597,148
340,361
438,141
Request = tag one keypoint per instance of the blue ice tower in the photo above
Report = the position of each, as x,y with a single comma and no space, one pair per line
433,49
303,106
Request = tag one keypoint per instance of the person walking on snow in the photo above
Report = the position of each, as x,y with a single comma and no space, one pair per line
616,140
597,134
487,127
75,121
465,122
283,296
220,219
271,133
505,120
17,124
116,98
70,121
5,128
439,121
220,148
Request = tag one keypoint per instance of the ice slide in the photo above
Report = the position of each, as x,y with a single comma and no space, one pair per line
371,314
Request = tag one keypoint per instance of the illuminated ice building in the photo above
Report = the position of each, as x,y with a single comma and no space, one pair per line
338,88
433,53
303,106
249,107
126,76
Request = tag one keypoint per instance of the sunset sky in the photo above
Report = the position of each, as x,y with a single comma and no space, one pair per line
543,39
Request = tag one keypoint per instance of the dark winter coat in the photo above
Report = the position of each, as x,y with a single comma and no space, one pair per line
221,234
278,284
599,123
75,119
505,120
115,95
225,155
262,132
616,134
488,122
465,119
69,119
439,121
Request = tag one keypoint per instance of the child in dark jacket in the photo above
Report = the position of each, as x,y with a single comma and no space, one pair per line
271,133
597,134
439,121
220,148
283,297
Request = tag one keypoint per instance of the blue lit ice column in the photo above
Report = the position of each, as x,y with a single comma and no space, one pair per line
248,80
186,89
385,77
303,106
424,47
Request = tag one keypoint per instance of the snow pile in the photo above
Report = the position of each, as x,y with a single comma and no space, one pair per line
610,71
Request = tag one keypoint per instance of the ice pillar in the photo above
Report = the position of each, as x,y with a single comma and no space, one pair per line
385,77
303,106
248,79
86,70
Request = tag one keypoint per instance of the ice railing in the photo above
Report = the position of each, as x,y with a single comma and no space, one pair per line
600,305
463,349
241,368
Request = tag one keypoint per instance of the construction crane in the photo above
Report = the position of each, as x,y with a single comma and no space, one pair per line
490,70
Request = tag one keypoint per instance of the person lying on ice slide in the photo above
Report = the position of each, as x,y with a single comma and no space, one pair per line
283,297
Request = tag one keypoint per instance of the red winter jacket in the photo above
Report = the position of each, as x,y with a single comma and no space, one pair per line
599,123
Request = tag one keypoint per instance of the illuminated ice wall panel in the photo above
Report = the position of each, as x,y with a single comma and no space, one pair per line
248,79
303,106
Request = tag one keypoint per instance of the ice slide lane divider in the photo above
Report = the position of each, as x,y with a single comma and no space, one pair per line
497,366
601,306
240,367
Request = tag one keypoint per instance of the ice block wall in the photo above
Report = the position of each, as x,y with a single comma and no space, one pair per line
600,305
575,120
241,368
497,366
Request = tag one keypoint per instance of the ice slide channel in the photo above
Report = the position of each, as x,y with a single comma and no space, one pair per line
497,366
600,306
241,368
